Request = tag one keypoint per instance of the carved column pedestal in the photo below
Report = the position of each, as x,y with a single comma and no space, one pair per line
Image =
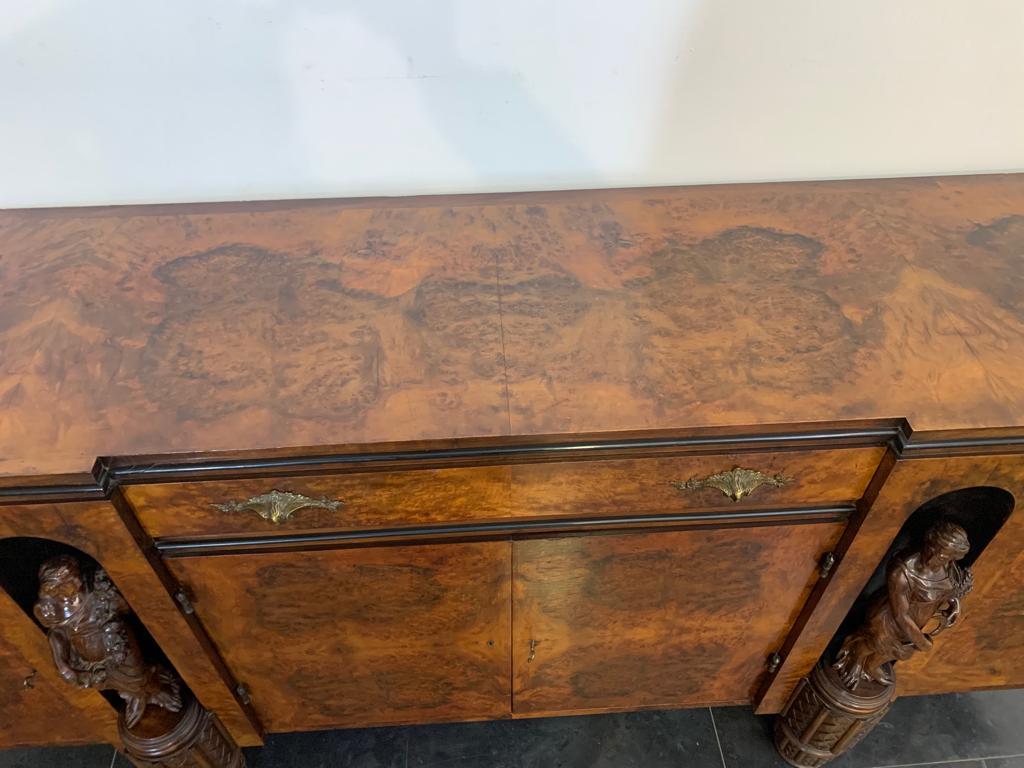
823,718
192,738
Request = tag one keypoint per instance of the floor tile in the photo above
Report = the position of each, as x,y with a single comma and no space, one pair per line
977,730
363,748
925,729
97,756
746,739
632,740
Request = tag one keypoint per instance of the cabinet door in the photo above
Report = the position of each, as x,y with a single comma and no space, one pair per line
366,636
986,648
664,619
36,706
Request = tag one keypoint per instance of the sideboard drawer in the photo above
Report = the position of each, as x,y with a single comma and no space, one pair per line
643,485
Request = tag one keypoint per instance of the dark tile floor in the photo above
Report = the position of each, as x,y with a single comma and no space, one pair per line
975,730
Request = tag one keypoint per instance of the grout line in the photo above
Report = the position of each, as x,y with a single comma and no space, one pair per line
984,764
955,761
714,727
113,759
407,749
511,629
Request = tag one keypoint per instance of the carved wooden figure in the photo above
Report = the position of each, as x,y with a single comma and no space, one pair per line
844,698
94,646
922,592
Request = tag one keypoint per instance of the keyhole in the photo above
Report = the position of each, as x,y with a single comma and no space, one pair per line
533,650
30,681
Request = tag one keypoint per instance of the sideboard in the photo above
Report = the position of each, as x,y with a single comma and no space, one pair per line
407,460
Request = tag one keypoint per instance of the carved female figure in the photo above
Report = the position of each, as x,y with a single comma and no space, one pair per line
92,644
921,599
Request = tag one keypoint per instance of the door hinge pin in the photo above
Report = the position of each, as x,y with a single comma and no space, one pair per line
243,695
827,563
184,601
774,662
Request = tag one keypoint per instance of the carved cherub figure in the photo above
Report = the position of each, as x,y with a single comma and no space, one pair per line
93,645
921,598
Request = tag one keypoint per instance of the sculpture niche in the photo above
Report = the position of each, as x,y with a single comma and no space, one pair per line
842,699
94,646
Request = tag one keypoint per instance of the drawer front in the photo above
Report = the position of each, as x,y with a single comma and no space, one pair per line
360,637
652,485
668,619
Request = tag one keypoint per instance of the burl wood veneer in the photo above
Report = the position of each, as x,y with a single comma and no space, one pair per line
33,692
362,462
657,619
363,637
549,490
127,331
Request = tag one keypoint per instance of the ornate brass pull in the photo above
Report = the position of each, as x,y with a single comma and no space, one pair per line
736,483
278,506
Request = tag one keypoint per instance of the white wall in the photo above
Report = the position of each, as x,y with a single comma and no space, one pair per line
171,100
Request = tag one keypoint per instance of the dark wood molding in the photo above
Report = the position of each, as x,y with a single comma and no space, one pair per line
110,472
502,530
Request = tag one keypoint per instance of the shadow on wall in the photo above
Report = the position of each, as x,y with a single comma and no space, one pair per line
258,98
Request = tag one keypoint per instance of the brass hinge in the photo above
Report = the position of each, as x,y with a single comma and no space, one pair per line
774,662
826,564
243,695
184,601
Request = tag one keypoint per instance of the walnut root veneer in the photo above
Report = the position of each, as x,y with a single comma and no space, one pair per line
365,462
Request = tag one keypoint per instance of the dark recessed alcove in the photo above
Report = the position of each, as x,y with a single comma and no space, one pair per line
20,559
981,511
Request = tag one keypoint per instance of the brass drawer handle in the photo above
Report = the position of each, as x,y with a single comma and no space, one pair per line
278,506
736,483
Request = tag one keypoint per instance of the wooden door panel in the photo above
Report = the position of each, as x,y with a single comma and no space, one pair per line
36,706
682,618
986,649
370,636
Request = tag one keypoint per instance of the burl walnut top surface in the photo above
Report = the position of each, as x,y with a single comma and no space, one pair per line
247,326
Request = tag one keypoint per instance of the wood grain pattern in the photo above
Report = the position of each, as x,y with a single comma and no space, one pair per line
986,650
50,711
96,529
644,486
660,619
503,492
362,636
141,330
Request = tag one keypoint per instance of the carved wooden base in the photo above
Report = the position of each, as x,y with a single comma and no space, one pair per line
193,738
823,719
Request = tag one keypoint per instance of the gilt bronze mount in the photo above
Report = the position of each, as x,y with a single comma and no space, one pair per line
278,506
737,483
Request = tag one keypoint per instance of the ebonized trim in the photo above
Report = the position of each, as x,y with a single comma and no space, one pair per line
500,454
109,473
500,529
